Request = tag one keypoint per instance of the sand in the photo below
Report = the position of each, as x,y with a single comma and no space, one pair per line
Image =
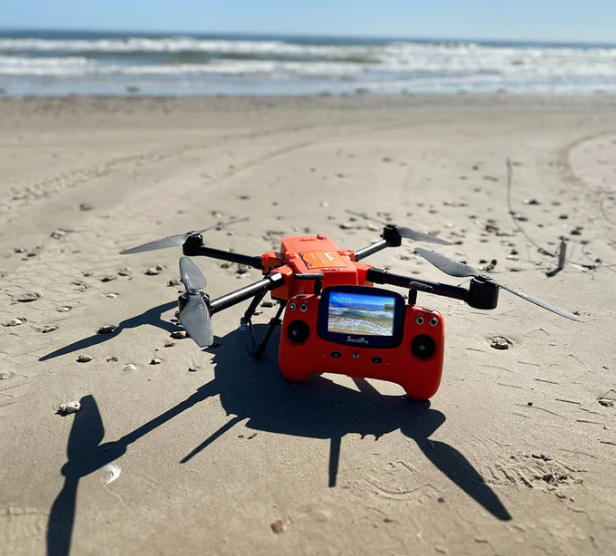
513,455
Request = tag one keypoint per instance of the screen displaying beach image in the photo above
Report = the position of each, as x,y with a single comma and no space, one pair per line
368,315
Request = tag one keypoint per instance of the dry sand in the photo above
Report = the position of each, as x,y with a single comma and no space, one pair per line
515,453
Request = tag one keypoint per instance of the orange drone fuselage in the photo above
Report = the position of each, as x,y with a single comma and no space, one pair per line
311,254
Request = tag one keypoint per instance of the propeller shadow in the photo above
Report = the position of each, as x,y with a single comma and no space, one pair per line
87,454
151,317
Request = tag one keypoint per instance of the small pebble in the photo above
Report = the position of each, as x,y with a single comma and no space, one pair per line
498,342
111,295
179,334
606,402
242,269
87,274
108,278
170,344
174,282
69,407
280,525
63,309
49,328
346,226
152,271
14,322
113,359
83,358
193,369
130,367
156,361
267,304
124,272
159,267
107,329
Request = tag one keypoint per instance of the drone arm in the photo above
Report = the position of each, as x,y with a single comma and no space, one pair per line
371,249
391,238
379,276
270,282
193,247
254,262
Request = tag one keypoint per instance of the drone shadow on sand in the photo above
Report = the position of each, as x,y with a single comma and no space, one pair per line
318,408
151,317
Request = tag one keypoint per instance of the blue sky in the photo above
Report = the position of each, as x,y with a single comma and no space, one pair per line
551,20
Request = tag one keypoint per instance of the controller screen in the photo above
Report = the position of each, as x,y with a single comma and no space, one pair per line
366,315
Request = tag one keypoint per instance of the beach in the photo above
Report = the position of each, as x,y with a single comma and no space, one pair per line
178,450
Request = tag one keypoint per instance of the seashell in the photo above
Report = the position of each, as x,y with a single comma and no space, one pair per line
498,342
69,407
84,358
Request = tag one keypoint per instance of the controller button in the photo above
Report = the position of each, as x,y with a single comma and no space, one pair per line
423,347
433,321
356,356
377,360
420,320
292,306
336,354
298,331
304,308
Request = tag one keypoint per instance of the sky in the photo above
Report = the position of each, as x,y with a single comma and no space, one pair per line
525,20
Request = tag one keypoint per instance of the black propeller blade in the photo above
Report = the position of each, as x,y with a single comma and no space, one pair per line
195,314
407,233
177,240
460,270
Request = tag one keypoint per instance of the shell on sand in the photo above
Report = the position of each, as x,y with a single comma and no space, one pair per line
69,407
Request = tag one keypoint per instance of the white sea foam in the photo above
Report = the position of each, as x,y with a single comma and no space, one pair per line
391,67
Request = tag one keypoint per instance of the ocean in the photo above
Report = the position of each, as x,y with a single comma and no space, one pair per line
86,63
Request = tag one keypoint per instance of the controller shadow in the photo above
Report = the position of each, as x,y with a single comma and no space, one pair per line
151,317
320,408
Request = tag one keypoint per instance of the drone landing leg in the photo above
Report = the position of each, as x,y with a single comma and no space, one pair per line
272,325
246,319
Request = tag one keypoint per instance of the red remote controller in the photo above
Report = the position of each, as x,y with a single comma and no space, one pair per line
363,332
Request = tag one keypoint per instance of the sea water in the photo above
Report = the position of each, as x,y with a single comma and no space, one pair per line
81,63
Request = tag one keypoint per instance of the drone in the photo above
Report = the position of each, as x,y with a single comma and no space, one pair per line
335,319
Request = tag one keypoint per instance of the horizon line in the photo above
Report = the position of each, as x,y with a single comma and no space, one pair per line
272,34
